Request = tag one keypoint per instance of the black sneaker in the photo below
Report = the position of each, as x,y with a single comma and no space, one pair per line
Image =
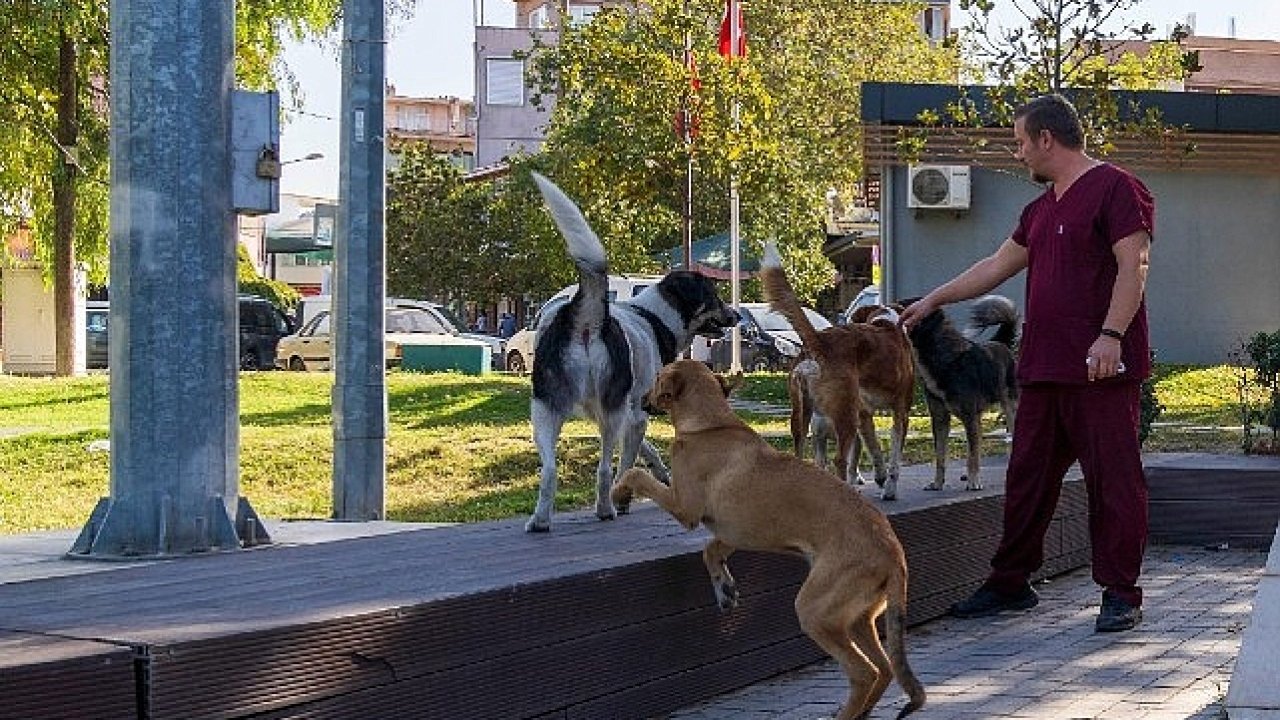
1117,615
985,601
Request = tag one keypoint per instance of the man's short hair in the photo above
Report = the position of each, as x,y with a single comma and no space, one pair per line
1057,115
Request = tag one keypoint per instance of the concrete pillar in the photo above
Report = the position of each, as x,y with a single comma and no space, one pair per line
174,393
360,386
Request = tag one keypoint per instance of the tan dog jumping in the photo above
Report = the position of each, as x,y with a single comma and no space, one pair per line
753,497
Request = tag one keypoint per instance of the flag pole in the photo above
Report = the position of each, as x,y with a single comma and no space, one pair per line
687,110
735,241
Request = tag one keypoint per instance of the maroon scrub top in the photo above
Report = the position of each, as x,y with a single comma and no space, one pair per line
1071,272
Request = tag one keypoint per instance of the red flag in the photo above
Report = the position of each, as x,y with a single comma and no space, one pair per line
727,48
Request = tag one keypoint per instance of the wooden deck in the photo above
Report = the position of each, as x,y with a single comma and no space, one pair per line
594,620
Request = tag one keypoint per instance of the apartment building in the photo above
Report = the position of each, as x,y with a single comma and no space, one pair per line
446,124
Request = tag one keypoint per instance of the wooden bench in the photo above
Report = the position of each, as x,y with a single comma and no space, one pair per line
594,620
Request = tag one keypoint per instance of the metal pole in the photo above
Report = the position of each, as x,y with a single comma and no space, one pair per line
687,111
735,241
175,442
358,322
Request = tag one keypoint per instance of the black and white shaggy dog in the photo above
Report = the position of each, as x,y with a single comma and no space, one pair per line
964,377
600,358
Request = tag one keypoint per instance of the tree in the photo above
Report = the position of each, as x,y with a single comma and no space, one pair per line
450,239
620,81
55,101
53,147
1076,46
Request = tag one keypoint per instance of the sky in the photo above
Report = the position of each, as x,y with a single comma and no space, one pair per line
430,55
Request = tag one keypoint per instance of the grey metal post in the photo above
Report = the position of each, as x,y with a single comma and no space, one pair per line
360,385
174,395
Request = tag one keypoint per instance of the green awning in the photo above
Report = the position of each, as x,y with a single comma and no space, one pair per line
309,233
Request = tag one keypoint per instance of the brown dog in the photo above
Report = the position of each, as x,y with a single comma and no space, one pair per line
862,367
753,497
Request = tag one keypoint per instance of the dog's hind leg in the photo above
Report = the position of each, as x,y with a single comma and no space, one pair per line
546,432
716,556
867,641
610,432
897,439
1010,408
940,425
827,612
867,434
973,434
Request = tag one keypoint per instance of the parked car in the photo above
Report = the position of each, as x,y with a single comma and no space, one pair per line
311,305
96,315
311,348
769,343
869,295
260,325
520,347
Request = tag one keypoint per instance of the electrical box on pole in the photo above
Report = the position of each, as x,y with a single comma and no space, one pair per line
255,152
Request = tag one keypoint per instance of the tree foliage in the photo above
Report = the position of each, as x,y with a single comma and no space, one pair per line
448,239
620,81
1079,47
31,154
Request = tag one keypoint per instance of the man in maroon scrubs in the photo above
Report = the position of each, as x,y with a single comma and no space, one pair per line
1083,356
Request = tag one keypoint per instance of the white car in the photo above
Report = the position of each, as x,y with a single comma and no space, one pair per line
520,347
869,295
312,305
311,348
769,342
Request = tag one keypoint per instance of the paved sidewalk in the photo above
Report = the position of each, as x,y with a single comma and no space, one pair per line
1048,663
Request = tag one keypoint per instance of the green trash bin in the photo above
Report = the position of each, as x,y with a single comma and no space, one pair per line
442,353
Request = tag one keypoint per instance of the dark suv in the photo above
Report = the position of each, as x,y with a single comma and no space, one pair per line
261,327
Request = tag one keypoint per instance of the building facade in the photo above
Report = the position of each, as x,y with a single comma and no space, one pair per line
446,124
1216,252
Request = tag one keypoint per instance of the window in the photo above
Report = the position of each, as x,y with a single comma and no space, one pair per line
581,14
414,118
933,24
505,81
539,18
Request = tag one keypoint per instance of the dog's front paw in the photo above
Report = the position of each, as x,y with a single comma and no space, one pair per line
622,495
935,485
974,484
726,594
537,524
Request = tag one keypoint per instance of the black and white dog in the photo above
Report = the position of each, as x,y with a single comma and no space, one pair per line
600,358
963,376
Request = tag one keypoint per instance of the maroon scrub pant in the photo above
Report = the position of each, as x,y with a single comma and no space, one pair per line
1056,425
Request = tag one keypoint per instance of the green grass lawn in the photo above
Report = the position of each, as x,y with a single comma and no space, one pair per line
459,447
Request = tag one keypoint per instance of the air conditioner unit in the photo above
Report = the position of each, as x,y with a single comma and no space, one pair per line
944,187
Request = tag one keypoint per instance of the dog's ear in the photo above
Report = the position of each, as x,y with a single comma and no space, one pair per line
665,391
729,383
861,314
